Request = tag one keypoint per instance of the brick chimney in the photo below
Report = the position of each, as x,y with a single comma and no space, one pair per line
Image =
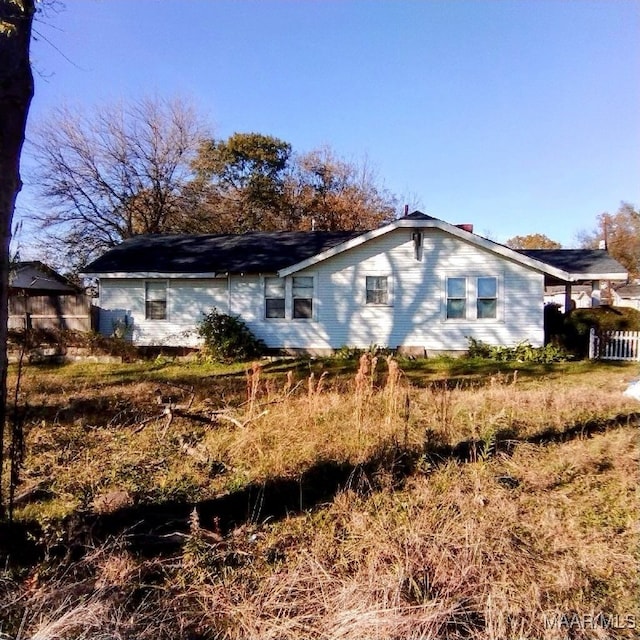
465,227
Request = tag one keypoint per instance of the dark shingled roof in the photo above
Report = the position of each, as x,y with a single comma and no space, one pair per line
36,278
256,252
576,260
418,215
270,251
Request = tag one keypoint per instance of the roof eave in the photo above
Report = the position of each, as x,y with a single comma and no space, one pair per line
422,224
336,249
619,276
104,275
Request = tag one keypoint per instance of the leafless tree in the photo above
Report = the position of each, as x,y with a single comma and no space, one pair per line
115,172
620,232
331,193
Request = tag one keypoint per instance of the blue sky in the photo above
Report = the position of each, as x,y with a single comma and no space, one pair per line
517,116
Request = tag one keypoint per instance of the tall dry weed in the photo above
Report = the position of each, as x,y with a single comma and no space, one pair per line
395,393
314,391
364,382
288,387
253,376
482,551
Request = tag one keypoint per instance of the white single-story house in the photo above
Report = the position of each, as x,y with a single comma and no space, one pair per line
580,296
418,283
627,296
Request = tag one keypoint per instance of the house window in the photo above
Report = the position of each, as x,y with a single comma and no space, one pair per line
274,297
456,298
377,290
472,298
487,297
155,293
302,294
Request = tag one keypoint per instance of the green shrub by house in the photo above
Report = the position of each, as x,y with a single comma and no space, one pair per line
228,338
523,352
579,323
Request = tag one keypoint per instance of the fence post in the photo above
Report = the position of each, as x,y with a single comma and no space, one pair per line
592,343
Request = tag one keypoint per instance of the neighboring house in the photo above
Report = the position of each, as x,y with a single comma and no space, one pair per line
627,295
41,298
418,283
580,296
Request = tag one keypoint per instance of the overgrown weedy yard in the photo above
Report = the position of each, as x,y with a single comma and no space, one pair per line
364,497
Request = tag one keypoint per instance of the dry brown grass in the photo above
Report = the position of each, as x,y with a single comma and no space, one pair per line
521,409
84,439
481,551
459,553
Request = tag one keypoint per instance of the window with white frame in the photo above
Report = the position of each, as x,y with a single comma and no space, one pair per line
155,297
290,298
377,290
274,297
486,297
456,298
302,297
472,298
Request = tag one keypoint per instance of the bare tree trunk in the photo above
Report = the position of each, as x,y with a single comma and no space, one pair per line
16,91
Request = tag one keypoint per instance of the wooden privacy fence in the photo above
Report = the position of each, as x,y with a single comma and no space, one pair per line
614,345
66,312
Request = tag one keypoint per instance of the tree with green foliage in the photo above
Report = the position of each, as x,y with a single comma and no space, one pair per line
620,231
579,323
16,92
243,179
532,241
253,182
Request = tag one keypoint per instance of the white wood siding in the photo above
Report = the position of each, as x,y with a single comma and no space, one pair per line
633,303
187,301
414,318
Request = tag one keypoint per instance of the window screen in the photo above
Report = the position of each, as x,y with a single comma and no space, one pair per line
456,298
274,297
302,293
377,290
156,300
487,297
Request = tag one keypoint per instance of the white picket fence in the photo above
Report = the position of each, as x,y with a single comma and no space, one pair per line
615,345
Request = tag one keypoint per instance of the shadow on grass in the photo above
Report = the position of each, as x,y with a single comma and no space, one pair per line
161,528
230,380
151,529
19,544
506,441
420,373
